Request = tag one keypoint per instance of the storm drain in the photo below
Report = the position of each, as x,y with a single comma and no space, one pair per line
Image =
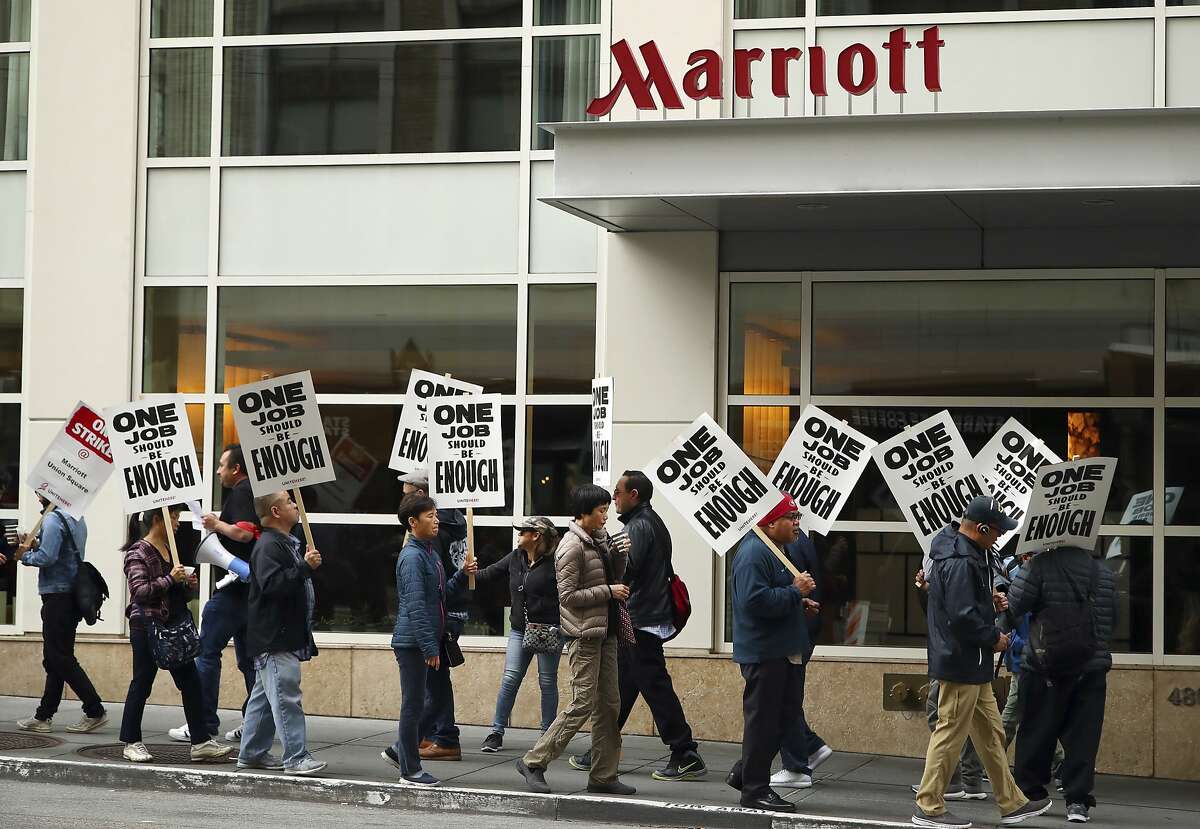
22,740
165,754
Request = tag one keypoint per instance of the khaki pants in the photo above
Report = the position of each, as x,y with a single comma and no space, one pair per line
595,694
967,710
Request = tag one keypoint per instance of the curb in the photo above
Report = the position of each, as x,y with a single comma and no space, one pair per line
394,796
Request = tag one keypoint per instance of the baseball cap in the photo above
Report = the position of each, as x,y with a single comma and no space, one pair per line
537,524
984,509
786,505
419,479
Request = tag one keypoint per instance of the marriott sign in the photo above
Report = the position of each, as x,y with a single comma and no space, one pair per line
857,71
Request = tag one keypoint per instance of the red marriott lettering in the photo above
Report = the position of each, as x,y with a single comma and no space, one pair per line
857,71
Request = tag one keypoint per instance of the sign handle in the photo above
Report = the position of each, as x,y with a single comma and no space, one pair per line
778,553
470,544
166,517
303,517
33,533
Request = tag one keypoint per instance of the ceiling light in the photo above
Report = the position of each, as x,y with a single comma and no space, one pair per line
812,205
1099,202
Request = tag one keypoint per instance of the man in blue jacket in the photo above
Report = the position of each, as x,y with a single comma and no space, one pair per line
770,643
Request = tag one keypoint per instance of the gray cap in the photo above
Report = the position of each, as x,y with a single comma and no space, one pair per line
418,478
538,524
984,509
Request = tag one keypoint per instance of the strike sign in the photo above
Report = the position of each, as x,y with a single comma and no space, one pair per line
1067,506
282,435
819,466
75,464
466,451
1008,466
152,445
709,479
602,429
411,445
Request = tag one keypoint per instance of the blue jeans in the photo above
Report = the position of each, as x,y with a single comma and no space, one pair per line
413,676
275,706
516,664
224,618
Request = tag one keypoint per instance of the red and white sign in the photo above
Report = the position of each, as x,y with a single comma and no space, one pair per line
75,464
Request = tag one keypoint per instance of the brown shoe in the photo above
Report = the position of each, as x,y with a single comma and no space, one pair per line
437,752
425,744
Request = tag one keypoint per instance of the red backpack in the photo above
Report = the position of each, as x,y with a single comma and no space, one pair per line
681,604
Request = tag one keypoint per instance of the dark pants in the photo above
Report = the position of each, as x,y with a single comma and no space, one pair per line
414,674
800,742
774,693
437,721
642,669
1069,711
224,618
187,680
60,619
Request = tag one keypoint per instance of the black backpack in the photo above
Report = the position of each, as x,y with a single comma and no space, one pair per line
90,588
1062,638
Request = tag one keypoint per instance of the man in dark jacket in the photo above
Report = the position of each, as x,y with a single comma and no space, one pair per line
1056,706
278,638
963,635
642,669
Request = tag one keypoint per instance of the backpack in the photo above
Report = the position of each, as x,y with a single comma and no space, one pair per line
681,604
90,589
1062,638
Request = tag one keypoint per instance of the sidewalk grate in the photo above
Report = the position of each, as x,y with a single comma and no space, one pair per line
165,754
17,741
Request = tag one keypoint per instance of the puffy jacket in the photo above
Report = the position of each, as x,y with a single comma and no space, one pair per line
768,610
532,588
277,619
58,553
585,567
649,571
1045,581
960,615
421,590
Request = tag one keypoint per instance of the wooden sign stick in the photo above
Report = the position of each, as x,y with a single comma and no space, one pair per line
303,518
170,533
31,536
470,544
778,553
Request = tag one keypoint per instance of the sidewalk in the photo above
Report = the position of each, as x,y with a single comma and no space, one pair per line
851,789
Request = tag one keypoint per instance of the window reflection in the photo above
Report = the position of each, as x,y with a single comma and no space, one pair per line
14,106
566,12
558,447
12,312
10,454
181,18
748,9
562,339
1131,561
174,340
764,337
1182,609
1181,458
566,73
180,102
8,575
1183,337
834,7
274,17
14,21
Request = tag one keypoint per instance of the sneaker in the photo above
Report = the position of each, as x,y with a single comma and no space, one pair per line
920,818
209,750
268,762
234,736
390,757
581,762
614,786
785,779
34,724
424,780
437,752
950,794
306,766
974,791
535,778
1031,809
87,724
492,743
180,735
818,757
1077,813
137,753
1058,785
687,766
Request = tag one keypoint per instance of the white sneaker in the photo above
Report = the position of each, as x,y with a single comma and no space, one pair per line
306,766
87,724
180,735
785,779
34,724
137,753
819,756
234,736
210,750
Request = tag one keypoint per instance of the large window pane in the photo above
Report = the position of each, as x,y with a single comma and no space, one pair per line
14,21
764,337
562,339
180,102
10,454
565,12
364,339
355,585
173,348
558,457
448,96
1182,609
1013,337
935,6
276,17
182,18
1182,460
749,9
8,577
14,107
566,73
11,328
1131,561
1183,337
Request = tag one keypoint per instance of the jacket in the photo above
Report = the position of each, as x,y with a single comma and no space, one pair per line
1043,582
421,591
58,553
584,568
960,615
803,553
649,570
277,620
151,588
768,610
533,589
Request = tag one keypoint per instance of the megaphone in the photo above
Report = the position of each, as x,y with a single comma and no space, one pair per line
212,551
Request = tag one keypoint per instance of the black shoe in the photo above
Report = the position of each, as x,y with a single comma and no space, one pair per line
535,778
614,786
581,762
946,820
1031,809
389,757
1077,813
734,780
687,766
769,802
492,743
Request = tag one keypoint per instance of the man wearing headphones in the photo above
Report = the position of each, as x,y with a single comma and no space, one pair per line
963,635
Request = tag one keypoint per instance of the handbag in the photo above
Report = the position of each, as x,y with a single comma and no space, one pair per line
625,635
172,645
454,654
540,637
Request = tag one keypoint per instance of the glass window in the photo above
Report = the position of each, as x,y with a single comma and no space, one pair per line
364,339
12,309
195,416
14,106
1131,561
1182,608
277,17
447,96
8,575
566,73
562,339
1183,337
14,21
10,454
748,9
935,6
180,102
1013,337
566,12
487,610
182,18
173,348
764,337
558,457
1181,461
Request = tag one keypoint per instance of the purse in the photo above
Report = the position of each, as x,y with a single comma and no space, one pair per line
172,645
625,635
540,637
454,654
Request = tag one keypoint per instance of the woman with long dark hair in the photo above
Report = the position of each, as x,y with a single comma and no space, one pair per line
159,593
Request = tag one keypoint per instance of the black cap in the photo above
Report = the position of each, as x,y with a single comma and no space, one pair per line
984,509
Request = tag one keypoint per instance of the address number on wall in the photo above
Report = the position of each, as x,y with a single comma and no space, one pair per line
1184,696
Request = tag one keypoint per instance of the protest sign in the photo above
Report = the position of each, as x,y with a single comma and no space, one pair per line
1007,465
602,429
1140,511
152,446
410,447
466,451
76,463
930,473
1067,506
819,465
